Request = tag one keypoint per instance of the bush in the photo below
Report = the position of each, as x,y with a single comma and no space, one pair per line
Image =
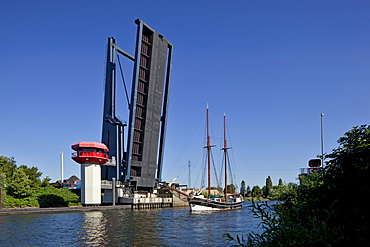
45,197
284,227
12,202
46,201
327,208
53,197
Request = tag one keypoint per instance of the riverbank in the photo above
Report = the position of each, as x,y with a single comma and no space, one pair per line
15,211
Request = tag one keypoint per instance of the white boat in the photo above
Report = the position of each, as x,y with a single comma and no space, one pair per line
228,201
233,201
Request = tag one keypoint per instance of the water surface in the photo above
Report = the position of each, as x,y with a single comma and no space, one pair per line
155,227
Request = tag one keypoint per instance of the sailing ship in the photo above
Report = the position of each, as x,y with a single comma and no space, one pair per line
229,200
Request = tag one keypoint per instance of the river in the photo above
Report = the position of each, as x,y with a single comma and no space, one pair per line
154,227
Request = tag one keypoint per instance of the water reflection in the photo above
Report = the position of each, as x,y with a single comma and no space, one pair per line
134,228
93,231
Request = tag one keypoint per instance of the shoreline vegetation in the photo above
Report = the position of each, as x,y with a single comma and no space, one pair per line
327,208
22,187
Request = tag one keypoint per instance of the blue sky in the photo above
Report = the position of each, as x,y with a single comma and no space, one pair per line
272,66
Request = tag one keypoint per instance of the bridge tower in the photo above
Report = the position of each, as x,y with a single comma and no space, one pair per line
90,155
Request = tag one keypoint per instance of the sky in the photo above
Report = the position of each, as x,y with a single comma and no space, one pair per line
272,66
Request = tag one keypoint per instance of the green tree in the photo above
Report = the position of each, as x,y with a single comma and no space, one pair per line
243,190
256,191
280,182
268,187
284,192
2,187
348,168
249,192
24,187
33,175
7,166
231,188
19,185
45,182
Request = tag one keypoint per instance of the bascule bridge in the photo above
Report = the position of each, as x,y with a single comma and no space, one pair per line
136,159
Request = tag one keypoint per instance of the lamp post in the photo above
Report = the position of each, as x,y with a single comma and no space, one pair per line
322,140
61,168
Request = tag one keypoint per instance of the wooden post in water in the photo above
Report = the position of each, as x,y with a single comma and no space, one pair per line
114,191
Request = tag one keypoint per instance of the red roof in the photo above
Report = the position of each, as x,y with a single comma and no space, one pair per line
83,144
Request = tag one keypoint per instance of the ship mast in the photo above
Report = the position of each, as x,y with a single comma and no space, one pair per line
208,152
225,148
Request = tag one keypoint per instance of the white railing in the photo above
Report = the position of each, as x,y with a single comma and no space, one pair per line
109,183
309,170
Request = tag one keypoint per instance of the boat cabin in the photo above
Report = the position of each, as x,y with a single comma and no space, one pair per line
90,152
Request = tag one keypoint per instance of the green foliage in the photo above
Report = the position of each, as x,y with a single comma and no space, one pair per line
33,174
46,201
285,228
19,186
280,182
268,187
243,190
2,180
7,166
12,202
2,187
284,192
347,169
45,197
256,191
69,197
231,188
20,181
328,208
249,192
24,188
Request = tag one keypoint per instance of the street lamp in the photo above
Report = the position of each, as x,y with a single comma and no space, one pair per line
322,141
